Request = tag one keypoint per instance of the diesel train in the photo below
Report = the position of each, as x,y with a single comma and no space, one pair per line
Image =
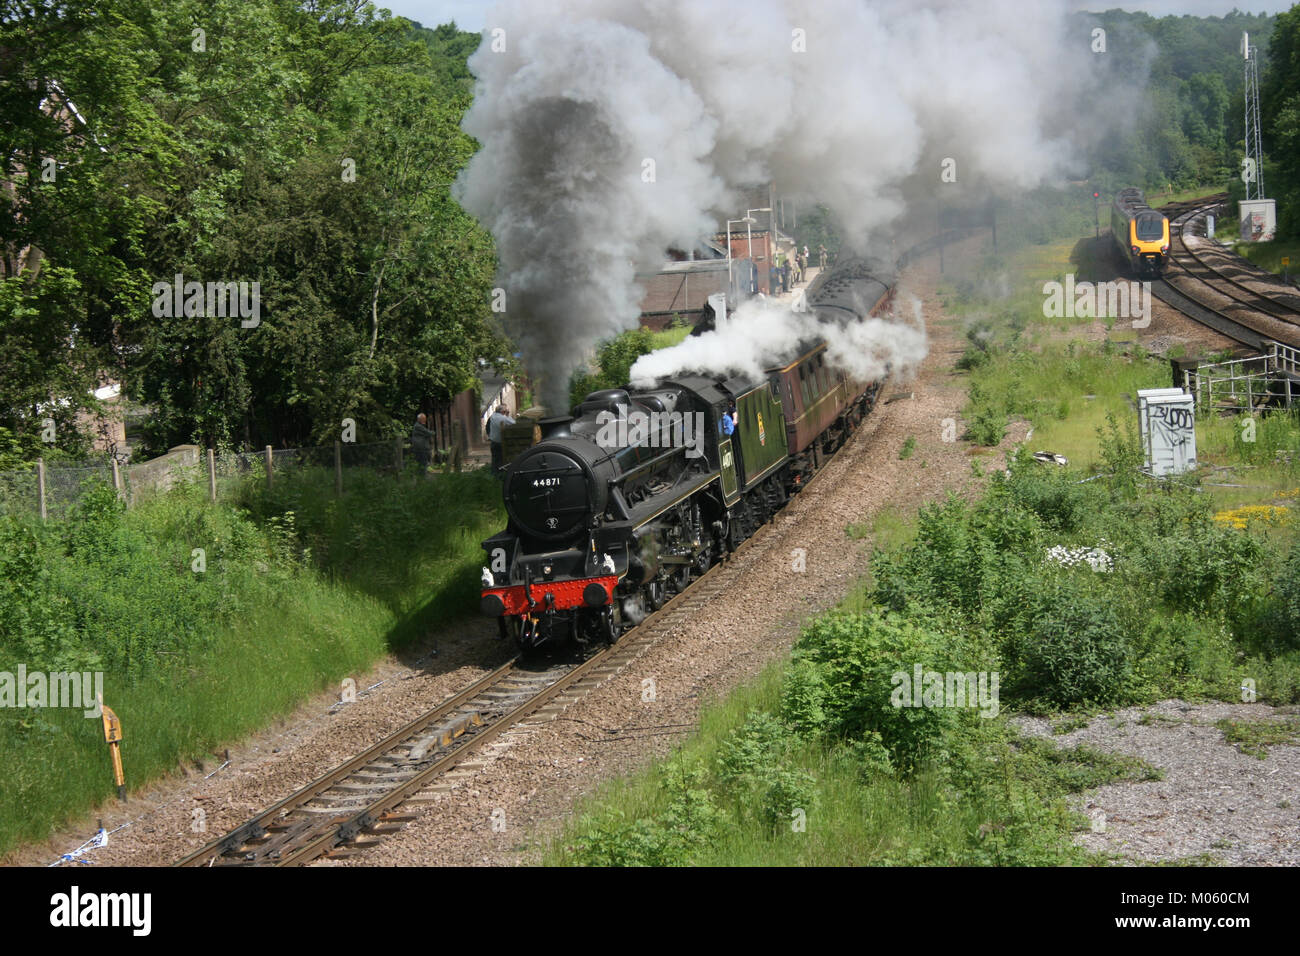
621,505
1140,232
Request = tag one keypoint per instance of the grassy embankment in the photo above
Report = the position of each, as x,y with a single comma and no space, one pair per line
299,590
1154,592
1268,255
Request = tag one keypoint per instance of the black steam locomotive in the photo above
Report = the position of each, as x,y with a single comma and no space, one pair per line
620,506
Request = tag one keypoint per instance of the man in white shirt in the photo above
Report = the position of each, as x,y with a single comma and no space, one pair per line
498,420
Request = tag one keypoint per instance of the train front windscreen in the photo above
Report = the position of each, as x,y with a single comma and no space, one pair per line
1150,228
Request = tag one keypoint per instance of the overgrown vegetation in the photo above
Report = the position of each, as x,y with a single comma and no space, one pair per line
297,589
776,779
1077,595
1083,587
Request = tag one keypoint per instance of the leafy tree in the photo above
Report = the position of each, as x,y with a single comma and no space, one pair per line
304,148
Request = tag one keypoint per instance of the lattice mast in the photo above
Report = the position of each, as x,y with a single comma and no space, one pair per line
1254,187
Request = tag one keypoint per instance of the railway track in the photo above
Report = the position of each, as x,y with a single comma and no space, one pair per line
357,804
1252,316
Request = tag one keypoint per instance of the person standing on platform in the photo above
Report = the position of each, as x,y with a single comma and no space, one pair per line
498,421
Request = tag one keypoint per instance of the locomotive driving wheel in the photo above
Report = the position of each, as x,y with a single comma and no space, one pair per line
703,560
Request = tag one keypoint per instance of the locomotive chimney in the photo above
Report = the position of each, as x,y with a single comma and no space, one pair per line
556,427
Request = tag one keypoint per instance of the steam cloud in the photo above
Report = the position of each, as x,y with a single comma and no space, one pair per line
851,103
762,333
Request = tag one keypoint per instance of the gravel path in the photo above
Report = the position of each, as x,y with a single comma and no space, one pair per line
1215,802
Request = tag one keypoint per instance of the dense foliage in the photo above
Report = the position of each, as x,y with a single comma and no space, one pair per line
1280,121
1187,129
309,149
829,767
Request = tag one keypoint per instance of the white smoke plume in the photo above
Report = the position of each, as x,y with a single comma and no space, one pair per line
762,333
614,129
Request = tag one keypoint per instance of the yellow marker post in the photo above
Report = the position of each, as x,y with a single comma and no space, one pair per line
113,737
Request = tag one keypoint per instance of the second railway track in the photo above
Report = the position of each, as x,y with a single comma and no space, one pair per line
1251,315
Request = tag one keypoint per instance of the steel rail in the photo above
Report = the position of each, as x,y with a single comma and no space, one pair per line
1247,298
257,826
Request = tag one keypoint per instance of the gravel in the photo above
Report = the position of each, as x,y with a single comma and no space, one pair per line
1215,802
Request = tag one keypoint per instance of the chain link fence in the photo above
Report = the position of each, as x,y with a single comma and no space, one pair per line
51,490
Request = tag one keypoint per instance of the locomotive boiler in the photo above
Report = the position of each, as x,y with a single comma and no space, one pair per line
622,504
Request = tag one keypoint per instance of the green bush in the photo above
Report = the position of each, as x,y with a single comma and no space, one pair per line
870,755
1074,649
987,426
753,766
845,665
1185,560
672,837
1054,494
974,357
614,360
1281,629
753,749
1185,655
964,559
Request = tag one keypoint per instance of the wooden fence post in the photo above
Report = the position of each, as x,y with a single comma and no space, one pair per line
212,475
40,485
338,469
457,444
270,456
117,478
